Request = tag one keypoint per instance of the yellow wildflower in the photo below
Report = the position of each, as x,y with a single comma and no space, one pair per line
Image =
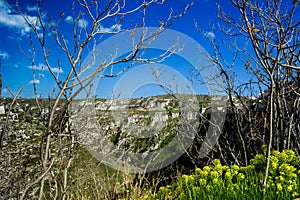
198,170
185,177
295,194
235,167
204,174
215,181
206,168
217,162
281,178
241,176
191,178
290,188
214,174
202,181
224,168
228,175
208,188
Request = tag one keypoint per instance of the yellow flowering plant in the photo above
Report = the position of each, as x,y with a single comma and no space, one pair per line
217,181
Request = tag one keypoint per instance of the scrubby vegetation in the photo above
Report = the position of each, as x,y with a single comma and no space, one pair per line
42,153
218,181
214,181
187,178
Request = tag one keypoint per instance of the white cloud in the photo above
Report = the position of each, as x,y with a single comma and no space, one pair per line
43,67
116,26
34,81
4,55
31,8
69,19
82,23
113,28
14,20
57,70
40,67
4,91
210,34
15,39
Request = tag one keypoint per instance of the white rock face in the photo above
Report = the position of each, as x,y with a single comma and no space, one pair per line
2,110
143,117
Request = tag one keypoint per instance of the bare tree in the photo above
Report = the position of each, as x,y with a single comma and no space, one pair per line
272,28
58,141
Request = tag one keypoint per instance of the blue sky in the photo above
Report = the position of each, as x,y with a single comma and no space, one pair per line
17,70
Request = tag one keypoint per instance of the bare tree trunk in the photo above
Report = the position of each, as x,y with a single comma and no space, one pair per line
271,121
